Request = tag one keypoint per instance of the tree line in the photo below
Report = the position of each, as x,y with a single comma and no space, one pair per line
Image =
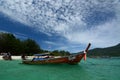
9,43
113,51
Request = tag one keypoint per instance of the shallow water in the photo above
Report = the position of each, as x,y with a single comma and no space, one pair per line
92,69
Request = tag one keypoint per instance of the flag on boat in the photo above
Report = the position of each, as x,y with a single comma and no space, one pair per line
85,55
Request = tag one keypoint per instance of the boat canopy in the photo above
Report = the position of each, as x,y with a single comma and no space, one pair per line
44,54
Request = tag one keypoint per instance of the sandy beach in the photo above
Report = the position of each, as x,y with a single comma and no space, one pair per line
17,57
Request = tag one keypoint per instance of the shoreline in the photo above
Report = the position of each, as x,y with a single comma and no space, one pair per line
17,57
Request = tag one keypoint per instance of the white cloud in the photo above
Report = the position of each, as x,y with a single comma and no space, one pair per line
66,18
4,31
50,43
20,35
102,36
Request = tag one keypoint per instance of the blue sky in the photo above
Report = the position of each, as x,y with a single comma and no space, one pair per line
63,24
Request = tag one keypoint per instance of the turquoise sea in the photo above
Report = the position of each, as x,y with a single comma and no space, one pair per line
92,69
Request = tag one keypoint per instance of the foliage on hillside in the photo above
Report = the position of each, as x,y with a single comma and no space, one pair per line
113,51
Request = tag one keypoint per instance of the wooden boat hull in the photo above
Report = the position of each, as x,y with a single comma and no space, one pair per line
7,58
72,59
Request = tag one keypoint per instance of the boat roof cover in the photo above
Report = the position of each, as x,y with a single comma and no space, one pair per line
41,54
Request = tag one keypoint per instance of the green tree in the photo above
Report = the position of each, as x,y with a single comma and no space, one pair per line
9,43
31,47
6,42
60,53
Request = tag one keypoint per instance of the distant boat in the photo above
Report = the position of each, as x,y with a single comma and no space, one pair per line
48,59
6,56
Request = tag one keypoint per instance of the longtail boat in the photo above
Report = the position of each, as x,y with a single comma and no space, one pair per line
47,59
6,56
